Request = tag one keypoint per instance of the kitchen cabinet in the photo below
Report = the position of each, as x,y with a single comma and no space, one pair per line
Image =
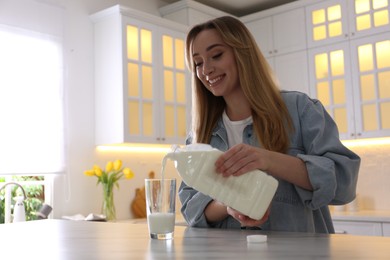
189,12
362,222
141,85
351,75
279,33
282,40
386,229
339,20
358,228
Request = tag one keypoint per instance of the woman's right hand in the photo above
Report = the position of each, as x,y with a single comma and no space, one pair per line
247,221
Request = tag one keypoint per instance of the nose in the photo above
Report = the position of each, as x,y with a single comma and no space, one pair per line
207,69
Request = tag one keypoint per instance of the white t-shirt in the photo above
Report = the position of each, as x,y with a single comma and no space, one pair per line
235,129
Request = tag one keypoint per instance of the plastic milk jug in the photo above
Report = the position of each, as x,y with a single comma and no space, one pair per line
250,193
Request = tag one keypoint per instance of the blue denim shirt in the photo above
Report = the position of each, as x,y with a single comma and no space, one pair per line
332,168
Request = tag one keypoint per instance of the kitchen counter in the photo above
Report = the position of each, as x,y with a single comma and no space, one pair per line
362,215
64,239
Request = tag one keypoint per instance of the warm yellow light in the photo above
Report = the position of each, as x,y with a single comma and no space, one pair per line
334,13
132,42
142,148
146,46
362,6
380,4
366,142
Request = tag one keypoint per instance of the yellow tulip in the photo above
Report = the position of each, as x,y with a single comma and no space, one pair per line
98,171
89,172
129,174
109,166
117,165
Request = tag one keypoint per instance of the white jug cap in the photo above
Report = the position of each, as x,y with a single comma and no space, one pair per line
256,238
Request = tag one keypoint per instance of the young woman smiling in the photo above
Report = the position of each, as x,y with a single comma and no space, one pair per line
238,108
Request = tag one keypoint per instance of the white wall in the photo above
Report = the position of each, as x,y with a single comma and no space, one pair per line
374,177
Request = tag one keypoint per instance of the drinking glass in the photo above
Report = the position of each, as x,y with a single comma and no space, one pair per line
160,207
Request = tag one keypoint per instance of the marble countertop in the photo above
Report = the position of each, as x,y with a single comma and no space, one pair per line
362,215
65,239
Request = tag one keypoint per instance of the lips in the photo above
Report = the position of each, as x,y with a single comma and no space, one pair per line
214,80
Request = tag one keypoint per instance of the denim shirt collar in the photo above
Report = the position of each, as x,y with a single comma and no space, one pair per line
219,138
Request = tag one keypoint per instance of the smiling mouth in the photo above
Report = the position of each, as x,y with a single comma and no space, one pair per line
214,80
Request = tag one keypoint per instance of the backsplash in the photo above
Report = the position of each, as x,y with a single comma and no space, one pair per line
374,177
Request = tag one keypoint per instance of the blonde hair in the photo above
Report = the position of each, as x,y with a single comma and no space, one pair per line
271,119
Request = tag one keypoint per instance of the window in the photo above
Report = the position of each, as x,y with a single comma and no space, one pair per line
31,109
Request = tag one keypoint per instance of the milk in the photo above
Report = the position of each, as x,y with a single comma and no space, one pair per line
160,223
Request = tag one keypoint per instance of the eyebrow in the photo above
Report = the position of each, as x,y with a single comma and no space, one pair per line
209,48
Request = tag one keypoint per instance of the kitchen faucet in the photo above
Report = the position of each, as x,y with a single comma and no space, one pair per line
19,211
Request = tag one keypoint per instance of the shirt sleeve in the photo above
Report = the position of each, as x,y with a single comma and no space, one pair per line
332,168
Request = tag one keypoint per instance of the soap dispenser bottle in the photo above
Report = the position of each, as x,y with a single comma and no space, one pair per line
19,211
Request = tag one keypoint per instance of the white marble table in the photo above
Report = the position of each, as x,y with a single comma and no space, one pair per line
72,240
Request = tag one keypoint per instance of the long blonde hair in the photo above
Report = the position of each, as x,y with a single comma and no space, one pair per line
271,120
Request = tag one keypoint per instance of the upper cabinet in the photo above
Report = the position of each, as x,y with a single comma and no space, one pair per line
282,40
142,92
334,21
189,12
279,33
349,68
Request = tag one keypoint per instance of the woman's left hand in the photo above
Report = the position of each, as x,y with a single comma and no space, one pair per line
241,159
247,221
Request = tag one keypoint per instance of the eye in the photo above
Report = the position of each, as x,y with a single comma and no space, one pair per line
197,64
217,55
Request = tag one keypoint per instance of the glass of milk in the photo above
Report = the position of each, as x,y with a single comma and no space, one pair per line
160,207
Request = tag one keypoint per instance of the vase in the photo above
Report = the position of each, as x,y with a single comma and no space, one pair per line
108,205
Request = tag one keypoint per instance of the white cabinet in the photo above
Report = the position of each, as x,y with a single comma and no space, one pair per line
337,20
331,83
358,228
386,229
141,84
282,40
280,33
189,12
349,67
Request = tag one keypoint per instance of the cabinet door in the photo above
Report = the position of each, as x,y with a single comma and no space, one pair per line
140,95
175,97
156,84
368,17
386,229
262,32
289,31
371,81
292,71
358,228
327,22
282,33
330,82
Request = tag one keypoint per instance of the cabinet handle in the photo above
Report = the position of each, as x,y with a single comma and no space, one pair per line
270,52
158,138
275,51
359,134
352,135
163,139
346,35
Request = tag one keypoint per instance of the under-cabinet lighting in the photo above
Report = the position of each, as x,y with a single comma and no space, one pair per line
134,148
367,142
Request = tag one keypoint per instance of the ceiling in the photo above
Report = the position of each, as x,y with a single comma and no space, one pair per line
240,7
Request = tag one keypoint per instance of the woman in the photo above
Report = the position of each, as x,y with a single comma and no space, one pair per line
239,109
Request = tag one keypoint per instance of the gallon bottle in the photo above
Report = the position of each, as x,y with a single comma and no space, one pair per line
250,193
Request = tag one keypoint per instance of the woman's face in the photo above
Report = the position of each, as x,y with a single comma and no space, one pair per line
215,64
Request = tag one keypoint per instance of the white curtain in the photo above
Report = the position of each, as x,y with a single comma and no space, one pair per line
31,88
